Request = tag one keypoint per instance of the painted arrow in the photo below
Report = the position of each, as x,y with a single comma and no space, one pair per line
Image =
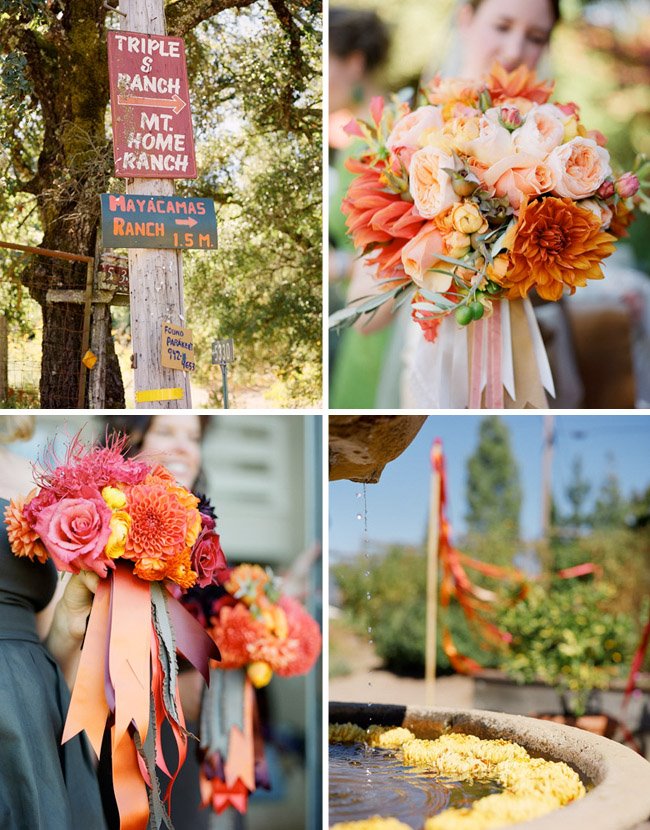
175,103
189,222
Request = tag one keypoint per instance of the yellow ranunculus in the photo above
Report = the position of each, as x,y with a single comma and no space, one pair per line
120,523
467,218
114,498
259,673
458,244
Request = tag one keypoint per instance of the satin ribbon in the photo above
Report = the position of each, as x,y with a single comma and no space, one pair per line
120,678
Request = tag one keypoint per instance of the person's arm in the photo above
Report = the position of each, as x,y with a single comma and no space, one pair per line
69,622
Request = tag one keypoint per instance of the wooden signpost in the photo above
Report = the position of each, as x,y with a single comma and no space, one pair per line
153,143
150,106
177,348
163,222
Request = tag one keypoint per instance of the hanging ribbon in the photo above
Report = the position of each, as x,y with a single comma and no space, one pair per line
233,755
127,681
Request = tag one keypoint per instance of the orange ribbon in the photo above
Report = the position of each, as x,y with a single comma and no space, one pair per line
129,786
88,707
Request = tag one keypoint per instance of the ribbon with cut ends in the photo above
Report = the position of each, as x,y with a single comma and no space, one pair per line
126,681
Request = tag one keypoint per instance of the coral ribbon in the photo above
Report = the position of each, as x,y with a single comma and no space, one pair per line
477,330
637,662
130,647
129,785
88,706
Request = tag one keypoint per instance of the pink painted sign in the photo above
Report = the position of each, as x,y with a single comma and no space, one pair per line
150,107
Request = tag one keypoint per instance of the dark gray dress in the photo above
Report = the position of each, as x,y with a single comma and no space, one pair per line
43,785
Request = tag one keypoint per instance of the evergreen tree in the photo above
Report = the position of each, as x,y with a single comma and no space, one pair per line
493,488
611,507
577,492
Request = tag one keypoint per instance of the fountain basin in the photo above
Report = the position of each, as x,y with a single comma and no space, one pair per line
619,798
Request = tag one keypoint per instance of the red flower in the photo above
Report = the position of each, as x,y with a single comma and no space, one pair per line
208,559
378,219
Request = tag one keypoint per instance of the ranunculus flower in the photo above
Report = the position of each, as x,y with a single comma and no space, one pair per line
404,138
457,245
429,184
606,190
579,167
421,254
467,218
208,559
493,142
541,132
75,532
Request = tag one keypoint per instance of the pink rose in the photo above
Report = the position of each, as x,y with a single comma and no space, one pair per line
420,254
403,140
580,167
429,184
541,132
208,559
75,532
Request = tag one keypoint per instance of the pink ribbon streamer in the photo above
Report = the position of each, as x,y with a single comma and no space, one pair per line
476,330
494,391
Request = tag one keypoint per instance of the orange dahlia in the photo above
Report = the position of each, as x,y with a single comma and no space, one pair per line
159,523
554,244
520,83
23,540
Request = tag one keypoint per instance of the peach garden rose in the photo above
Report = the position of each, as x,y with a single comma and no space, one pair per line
420,254
580,167
430,185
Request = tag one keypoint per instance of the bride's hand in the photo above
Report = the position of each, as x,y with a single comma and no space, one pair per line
70,620
76,603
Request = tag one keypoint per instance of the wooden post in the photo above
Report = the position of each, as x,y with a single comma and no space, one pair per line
155,275
4,358
97,382
432,584
547,475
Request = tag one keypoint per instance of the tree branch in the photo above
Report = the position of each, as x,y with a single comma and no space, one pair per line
183,15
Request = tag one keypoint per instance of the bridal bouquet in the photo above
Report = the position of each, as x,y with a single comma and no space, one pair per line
148,541
480,195
258,631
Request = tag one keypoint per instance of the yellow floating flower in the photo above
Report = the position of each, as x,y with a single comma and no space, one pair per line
374,823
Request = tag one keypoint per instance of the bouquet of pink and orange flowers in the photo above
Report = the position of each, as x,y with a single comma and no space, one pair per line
480,195
148,541
259,632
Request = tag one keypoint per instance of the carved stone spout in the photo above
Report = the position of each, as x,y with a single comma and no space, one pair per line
360,446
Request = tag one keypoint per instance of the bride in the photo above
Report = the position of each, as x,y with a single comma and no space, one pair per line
511,34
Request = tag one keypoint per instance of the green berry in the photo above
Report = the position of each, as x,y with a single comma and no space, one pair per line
464,315
477,310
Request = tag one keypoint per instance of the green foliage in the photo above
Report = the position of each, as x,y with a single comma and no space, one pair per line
385,595
610,508
567,636
493,490
261,158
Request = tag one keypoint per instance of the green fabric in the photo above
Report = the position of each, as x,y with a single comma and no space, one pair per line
43,785
356,365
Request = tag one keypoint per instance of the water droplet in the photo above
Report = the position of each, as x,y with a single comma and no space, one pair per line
358,495
371,641
369,629
368,595
359,517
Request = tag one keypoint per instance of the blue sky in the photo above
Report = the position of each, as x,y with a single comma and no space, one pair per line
397,504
